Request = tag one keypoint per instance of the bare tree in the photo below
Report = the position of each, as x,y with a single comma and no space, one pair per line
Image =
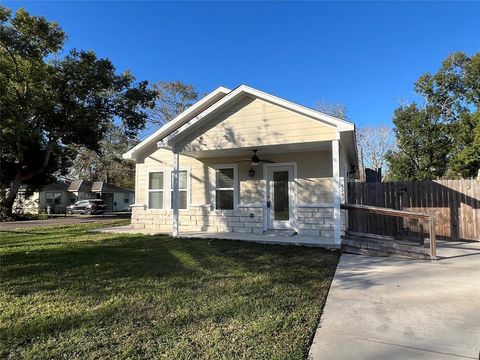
171,99
337,110
374,142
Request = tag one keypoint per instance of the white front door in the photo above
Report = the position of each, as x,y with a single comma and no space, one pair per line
280,192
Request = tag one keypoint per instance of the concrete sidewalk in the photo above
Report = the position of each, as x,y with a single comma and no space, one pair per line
394,308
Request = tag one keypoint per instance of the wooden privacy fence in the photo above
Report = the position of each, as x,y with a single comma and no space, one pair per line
455,205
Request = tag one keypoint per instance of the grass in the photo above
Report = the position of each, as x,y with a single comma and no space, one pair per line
68,293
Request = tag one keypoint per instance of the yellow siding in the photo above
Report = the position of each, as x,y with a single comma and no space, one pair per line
255,122
314,171
163,160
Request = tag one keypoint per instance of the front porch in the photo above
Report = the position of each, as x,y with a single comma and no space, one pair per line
303,240
299,188
313,224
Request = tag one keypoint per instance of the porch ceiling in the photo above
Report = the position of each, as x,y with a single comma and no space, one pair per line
263,150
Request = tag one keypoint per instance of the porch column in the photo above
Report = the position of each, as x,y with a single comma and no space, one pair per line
336,191
176,166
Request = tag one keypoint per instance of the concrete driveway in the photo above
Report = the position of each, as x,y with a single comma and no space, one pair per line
61,220
395,308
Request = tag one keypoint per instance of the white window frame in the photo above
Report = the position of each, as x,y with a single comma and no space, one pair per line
170,187
155,190
292,194
235,185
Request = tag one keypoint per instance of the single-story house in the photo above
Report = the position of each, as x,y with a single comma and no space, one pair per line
245,162
55,195
59,195
116,198
81,190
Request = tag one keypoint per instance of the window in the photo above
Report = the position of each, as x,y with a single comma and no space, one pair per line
183,189
155,190
224,188
53,198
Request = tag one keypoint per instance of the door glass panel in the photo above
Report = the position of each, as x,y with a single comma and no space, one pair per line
280,195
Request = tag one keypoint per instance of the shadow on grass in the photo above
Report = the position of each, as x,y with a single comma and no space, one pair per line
78,264
75,287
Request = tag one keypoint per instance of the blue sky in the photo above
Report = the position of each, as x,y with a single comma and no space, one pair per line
365,55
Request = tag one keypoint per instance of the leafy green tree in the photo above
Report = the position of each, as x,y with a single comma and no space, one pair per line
465,159
106,163
51,104
422,145
451,116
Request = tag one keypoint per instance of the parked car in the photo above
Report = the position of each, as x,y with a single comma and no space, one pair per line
87,207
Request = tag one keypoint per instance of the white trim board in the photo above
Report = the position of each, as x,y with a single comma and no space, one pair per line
167,186
336,190
217,100
236,185
147,188
185,116
294,197
187,128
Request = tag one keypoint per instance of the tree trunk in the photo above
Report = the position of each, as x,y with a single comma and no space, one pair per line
7,201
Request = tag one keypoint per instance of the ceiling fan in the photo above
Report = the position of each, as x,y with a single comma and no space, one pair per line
255,160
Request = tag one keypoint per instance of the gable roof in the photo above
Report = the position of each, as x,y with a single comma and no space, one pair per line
56,186
80,185
215,102
97,186
102,186
239,92
181,119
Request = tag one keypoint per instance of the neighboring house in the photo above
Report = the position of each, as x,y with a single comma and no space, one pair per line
59,195
224,186
81,190
55,195
116,198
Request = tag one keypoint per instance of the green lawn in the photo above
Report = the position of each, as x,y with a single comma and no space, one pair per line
69,293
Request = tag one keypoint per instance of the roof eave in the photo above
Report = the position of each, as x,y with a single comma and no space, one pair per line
181,119
340,124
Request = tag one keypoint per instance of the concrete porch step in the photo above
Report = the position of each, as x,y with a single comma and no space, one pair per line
283,232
